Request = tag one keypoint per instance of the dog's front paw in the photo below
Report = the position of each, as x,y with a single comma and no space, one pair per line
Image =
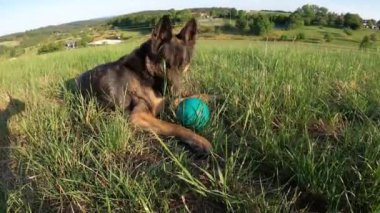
199,144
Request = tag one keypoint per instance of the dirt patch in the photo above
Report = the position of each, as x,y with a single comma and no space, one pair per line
313,202
328,129
196,203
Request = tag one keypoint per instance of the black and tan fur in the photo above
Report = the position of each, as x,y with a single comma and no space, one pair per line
135,82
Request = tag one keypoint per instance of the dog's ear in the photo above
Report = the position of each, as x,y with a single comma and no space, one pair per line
162,32
189,33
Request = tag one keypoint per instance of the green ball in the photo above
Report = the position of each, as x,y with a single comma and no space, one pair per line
193,113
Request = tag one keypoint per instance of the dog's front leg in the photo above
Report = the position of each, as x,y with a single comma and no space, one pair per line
142,117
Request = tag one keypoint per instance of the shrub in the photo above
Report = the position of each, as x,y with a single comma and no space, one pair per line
217,30
241,23
51,47
83,42
300,36
328,37
206,29
295,21
261,25
365,43
125,37
227,27
284,37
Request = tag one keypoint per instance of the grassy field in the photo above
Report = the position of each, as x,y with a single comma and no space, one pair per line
9,43
297,129
315,34
29,43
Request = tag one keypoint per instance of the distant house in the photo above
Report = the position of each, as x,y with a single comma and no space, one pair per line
376,27
366,24
105,42
205,15
71,44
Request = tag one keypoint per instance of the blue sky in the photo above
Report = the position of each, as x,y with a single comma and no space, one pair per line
21,15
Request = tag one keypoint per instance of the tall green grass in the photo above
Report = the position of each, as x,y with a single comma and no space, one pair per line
297,128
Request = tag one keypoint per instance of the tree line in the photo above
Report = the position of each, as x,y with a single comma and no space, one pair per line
148,20
307,15
257,23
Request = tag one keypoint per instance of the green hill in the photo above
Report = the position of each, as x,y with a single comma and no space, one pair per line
215,23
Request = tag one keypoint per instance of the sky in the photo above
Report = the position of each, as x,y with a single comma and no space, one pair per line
21,15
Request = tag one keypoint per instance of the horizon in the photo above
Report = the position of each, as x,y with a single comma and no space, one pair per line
63,12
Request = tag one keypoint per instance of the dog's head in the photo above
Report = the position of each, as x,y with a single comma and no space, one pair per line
171,53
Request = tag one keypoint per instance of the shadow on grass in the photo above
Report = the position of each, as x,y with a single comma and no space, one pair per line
13,108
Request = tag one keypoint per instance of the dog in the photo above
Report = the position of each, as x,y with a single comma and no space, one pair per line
136,82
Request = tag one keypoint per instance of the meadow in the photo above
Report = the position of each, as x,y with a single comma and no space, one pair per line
297,129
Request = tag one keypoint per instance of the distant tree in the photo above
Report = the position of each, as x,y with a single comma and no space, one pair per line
331,18
172,12
295,21
233,13
280,20
371,23
154,20
144,20
308,12
315,15
339,21
183,15
241,23
261,25
353,21
242,13
213,12
321,17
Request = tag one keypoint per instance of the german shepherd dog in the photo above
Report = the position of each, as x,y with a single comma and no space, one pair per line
136,82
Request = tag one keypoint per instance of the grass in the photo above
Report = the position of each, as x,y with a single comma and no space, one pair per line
9,43
297,129
315,34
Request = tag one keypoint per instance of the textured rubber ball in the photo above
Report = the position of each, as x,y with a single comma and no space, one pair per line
193,113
